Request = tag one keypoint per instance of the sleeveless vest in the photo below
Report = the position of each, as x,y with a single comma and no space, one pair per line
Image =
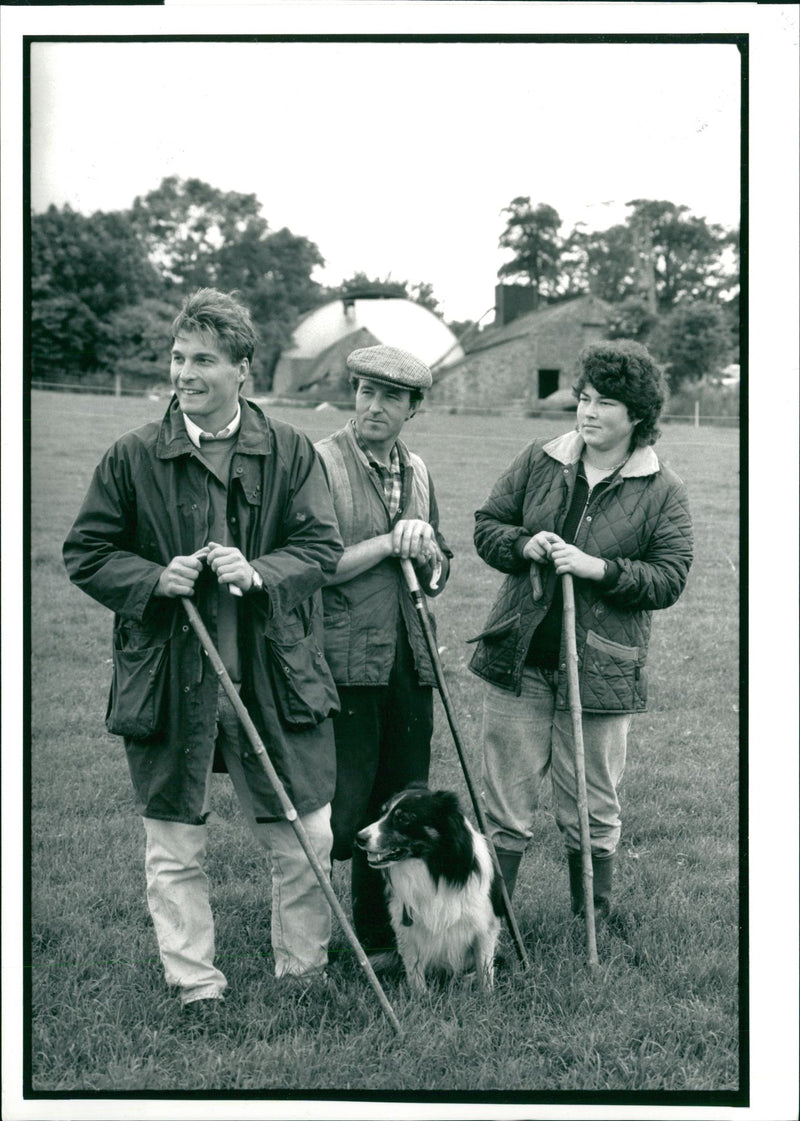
362,615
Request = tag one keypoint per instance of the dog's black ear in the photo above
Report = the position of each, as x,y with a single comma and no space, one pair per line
454,859
447,803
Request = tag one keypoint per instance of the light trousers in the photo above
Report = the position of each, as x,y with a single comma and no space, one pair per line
523,738
178,891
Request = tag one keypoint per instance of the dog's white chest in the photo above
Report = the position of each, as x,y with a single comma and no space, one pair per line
419,901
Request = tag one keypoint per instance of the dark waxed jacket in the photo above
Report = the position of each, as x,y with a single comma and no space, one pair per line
149,502
641,520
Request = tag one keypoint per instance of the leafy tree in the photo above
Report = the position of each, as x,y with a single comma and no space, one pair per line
182,235
203,237
137,343
732,317
185,222
531,233
272,266
466,331
359,285
422,294
631,319
65,338
272,273
98,258
661,253
82,268
604,261
693,341
685,253
573,279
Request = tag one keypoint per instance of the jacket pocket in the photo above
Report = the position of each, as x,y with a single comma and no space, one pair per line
337,643
137,701
496,652
304,689
497,630
610,674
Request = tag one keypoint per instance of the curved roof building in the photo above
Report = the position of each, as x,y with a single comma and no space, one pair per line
314,364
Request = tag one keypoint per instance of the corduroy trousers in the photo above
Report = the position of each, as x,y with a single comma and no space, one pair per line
523,738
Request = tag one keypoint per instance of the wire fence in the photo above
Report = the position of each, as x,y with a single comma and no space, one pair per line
697,418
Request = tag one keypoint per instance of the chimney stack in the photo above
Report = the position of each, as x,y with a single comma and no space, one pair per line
513,300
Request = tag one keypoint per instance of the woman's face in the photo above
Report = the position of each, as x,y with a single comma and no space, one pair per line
603,422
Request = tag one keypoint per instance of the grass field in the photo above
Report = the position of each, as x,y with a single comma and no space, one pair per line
661,1014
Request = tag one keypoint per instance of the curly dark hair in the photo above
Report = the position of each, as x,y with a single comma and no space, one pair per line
626,371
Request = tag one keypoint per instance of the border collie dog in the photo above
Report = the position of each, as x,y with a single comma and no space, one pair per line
444,898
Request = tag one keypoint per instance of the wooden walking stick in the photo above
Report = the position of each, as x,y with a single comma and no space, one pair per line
580,764
419,603
286,804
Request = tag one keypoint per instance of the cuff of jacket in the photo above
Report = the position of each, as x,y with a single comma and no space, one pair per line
518,548
613,570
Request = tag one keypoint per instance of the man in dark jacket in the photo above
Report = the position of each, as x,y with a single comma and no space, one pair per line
219,502
598,504
386,510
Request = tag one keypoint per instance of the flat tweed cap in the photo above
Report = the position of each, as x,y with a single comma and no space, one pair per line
390,365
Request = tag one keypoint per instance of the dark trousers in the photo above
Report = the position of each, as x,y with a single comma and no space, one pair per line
383,742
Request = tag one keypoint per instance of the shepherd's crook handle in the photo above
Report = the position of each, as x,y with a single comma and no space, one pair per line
288,809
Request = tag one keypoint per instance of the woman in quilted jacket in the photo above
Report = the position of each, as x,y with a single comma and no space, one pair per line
596,503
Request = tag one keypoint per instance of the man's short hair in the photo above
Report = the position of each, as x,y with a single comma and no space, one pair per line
211,312
415,396
625,370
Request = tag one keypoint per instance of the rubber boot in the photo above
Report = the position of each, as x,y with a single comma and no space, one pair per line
603,870
603,876
509,865
575,865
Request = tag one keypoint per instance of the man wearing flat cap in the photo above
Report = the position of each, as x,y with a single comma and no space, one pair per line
386,508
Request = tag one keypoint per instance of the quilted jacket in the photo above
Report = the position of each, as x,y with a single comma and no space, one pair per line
641,520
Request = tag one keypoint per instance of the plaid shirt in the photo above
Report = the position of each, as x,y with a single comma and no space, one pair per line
391,477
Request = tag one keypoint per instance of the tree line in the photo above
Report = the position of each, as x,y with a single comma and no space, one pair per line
671,277
105,287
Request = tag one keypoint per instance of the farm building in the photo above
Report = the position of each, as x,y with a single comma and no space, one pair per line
527,355
314,364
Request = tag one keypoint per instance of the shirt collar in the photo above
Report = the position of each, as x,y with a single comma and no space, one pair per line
194,431
394,458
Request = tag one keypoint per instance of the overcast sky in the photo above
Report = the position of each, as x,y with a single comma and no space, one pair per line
393,158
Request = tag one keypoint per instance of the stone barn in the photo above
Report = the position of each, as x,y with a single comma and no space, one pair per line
527,355
313,366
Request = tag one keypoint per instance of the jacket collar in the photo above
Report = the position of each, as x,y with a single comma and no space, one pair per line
255,434
568,449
